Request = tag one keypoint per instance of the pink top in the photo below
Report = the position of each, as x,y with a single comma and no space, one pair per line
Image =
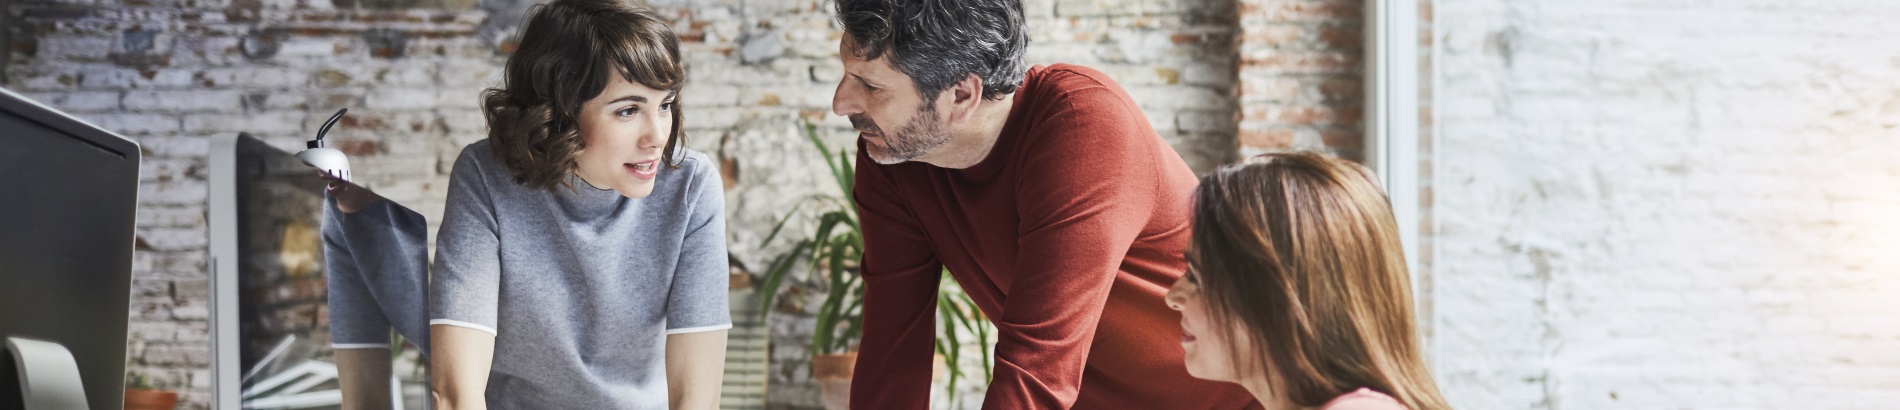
1363,399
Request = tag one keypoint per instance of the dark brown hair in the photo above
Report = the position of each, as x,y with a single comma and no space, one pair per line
1302,251
564,57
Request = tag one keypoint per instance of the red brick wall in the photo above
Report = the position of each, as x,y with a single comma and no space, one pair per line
1300,76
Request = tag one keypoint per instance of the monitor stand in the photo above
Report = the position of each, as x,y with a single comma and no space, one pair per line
48,376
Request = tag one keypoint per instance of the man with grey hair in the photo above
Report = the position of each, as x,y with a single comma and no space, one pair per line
1045,193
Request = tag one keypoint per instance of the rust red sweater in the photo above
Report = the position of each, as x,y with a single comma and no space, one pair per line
1067,235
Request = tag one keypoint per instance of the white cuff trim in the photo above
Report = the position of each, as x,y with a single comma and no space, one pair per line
340,346
458,323
698,329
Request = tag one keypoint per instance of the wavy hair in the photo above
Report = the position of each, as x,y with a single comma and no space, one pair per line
937,42
565,56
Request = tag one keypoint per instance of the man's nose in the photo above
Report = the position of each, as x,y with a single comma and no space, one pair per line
843,103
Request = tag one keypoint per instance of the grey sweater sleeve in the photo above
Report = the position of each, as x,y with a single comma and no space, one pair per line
697,301
466,288
377,274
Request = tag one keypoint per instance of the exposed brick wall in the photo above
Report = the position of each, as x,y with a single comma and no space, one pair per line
1300,81
173,73
1685,204
1176,58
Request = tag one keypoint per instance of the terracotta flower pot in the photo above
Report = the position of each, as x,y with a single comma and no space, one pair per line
833,372
148,399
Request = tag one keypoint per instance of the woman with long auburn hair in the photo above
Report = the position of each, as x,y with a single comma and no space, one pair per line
1297,288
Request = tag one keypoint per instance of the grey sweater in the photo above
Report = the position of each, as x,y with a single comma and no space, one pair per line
580,287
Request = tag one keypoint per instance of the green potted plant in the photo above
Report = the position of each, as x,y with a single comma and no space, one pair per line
140,395
832,254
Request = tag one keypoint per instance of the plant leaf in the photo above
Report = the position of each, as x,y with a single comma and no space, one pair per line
954,351
982,336
843,172
775,276
781,223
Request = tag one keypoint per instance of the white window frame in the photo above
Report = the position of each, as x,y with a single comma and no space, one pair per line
1392,120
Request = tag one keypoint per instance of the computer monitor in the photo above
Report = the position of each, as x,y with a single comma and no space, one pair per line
68,194
272,301
267,283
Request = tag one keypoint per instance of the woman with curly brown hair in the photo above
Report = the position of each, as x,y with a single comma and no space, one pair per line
581,261
1297,288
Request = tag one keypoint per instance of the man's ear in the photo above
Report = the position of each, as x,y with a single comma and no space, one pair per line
965,96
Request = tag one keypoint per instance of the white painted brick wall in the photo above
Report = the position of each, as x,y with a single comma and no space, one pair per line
1684,204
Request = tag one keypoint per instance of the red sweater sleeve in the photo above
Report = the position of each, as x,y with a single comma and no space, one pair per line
901,275
1088,186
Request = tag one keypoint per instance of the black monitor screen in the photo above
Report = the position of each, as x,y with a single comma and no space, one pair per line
280,278
68,192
